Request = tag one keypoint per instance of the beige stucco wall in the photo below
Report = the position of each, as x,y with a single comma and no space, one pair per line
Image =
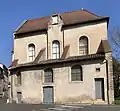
54,33
31,87
21,46
65,91
78,91
95,32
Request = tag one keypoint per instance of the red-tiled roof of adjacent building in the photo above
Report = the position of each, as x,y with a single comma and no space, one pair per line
69,18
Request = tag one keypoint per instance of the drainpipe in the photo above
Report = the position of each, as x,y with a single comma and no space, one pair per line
10,87
63,39
47,44
107,81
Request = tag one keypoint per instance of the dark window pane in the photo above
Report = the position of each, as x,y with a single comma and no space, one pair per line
76,73
56,49
83,45
19,78
48,75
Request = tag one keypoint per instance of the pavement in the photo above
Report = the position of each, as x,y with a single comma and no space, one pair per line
53,107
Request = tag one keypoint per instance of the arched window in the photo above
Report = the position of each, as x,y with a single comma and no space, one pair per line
31,52
55,49
48,75
76,73
83,45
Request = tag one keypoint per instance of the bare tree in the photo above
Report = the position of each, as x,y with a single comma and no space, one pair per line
114,37
115,42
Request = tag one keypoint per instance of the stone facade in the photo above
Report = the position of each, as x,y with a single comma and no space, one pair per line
71,37
110,77
64,89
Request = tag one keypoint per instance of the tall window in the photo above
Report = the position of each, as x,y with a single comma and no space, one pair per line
83,45
76,73
48,75
56,49
18,79
31,49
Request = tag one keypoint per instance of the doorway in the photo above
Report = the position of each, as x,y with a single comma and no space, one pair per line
99,88
48,96
19,97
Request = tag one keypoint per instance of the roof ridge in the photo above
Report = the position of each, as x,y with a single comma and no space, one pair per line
19,27
92,13
71,17
38,18
95,14
82,9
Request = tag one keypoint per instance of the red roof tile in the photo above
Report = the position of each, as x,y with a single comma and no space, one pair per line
14,63
104,47
68,18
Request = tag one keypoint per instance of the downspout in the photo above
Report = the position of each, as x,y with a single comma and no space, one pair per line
12,86
11,83
107,81
47,45
63,40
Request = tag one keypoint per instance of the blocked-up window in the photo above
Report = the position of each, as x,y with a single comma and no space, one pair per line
56,49
31,52
18,78
76,73
54,19
83,45
48,75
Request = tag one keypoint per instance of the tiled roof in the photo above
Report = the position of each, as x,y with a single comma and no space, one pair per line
54,61
68,18
104,47
40,56
65,51
14,63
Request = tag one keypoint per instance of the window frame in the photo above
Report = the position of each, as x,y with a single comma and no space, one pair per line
82,46
78,74
31,52
55,49
18,78
48,75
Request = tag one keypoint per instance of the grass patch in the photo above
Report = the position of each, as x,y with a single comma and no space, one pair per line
117,101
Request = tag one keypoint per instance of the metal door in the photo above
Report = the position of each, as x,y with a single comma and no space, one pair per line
19,96
48,95
99,88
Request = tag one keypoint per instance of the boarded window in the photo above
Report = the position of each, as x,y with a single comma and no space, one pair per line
76,73
56,49
18,78
83,45
48,75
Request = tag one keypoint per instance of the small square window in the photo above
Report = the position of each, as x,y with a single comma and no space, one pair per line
97,69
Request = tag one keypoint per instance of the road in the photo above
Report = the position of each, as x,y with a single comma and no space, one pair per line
28,107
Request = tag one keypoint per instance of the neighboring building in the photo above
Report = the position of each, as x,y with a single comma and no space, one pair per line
62,58
4,83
